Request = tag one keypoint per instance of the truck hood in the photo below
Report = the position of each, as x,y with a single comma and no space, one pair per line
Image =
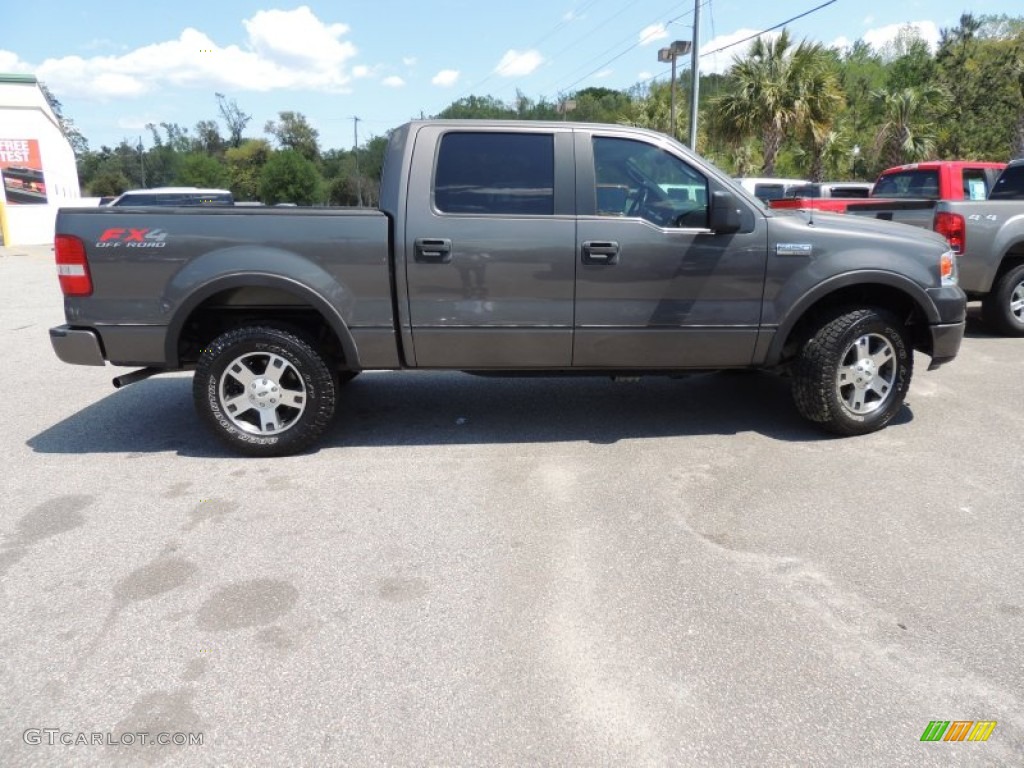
828,230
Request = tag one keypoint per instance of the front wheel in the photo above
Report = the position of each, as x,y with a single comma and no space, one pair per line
1003,308
264,391
853,374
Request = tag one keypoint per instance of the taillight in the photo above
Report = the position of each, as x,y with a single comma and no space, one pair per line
952,227
72,266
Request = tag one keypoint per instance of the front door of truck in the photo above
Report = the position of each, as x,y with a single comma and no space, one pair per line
655,288
489,248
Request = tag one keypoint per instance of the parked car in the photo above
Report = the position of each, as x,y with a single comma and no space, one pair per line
767,188
907,193
506,248
180,196
833,189
989,237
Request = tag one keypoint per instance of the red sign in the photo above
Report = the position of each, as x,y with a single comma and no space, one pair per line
21,167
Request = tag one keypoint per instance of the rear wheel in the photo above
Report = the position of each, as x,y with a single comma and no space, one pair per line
264,391
1003,308
852,375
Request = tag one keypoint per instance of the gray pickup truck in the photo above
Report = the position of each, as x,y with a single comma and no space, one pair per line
506,248
988,235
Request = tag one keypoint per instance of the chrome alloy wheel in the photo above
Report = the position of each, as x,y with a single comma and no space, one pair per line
1017,301
262,393
867,374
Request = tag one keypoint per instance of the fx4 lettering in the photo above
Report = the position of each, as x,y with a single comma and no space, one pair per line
132,238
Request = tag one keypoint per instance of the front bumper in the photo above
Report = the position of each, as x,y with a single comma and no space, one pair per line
946,340
78,346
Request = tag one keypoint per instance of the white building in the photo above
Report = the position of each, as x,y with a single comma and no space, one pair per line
37,165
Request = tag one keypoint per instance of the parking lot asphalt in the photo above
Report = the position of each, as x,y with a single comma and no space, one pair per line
476,571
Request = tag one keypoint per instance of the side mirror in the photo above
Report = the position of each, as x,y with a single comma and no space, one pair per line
724,216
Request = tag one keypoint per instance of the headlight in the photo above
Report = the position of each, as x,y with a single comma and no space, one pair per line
948,269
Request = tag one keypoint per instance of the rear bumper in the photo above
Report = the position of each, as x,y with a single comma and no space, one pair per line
946,340
77,346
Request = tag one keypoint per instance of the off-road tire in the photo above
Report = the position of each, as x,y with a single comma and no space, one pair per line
302,382
1003,307
827,374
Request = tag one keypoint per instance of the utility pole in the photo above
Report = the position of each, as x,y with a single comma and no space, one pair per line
695,74
673,52
355,154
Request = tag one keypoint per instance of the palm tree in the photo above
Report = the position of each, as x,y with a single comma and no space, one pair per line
776,88
821,102
908,133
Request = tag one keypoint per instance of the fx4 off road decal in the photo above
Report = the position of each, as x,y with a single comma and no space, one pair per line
123,237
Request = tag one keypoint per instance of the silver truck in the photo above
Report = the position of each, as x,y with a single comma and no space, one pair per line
506,248
988,236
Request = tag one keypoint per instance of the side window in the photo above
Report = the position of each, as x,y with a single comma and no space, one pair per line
1010,185
638,179
496,173
975,184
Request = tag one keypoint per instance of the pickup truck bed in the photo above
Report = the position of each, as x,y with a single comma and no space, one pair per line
989,237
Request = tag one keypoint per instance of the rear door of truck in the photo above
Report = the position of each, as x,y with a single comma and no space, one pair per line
489,244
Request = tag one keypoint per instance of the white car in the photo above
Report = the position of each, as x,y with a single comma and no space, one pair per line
190,196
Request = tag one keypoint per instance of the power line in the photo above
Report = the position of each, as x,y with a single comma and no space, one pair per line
619,55
747,39
770,29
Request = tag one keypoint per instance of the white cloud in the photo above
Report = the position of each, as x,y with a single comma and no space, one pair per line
446,78
842,43
284,50
393,81
869,20
880,37
409,61
604,73
652,34
720,62
645,75
518,63
361,70
299,36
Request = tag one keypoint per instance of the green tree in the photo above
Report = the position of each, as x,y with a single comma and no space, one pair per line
770,94
293,131
201,170
910,62
108,183
208,138
821,102
245,167
234,118
907,133
289,177
477,108
599,105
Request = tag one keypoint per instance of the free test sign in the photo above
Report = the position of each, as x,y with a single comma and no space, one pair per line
21,166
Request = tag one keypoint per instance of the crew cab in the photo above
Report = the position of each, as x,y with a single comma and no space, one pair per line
506,248
989,238
907,194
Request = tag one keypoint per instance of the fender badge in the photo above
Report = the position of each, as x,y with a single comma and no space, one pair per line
793,249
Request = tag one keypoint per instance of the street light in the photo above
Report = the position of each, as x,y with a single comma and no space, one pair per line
670,54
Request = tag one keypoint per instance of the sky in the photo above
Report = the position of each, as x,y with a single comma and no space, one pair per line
116,67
